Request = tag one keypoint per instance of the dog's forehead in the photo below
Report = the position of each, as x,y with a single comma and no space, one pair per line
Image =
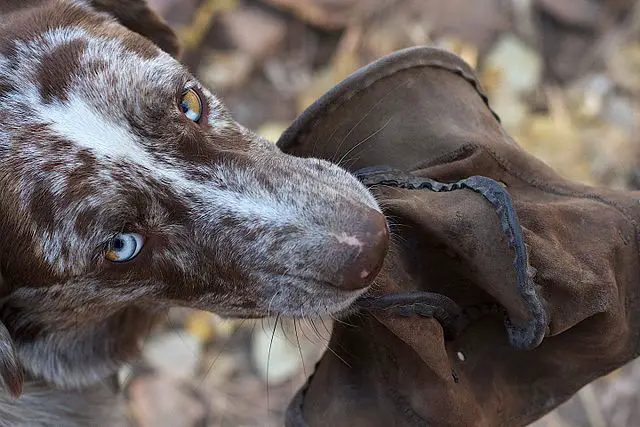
71,48
93,90
71,60
87,90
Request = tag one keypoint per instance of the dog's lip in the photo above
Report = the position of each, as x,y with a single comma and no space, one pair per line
325,285
315,281
335,300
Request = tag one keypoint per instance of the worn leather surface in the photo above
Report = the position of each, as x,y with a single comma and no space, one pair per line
422,111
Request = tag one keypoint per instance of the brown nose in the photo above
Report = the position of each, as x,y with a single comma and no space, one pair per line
365,248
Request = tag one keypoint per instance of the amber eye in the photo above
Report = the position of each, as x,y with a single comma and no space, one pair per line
191,105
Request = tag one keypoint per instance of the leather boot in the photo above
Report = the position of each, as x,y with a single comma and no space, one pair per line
507,287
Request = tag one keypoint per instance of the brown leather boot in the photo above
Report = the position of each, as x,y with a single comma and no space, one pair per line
507,287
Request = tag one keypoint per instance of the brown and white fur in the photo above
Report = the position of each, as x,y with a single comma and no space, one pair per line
92,144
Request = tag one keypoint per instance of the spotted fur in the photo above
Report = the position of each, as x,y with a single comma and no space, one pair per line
92,143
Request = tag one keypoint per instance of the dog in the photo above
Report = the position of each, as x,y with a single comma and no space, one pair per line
126,188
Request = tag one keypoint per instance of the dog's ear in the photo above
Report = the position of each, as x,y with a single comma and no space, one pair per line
137,16
11,372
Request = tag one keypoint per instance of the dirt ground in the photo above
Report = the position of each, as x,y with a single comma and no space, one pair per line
564,75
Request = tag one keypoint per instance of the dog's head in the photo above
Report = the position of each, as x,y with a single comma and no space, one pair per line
126,188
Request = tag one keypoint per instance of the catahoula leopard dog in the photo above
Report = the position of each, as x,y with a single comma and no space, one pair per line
127,188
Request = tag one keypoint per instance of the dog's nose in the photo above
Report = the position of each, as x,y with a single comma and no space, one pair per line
365,247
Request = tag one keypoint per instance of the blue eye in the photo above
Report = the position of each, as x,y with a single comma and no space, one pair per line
191,105
124,247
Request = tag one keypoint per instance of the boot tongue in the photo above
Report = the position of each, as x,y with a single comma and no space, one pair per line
425,100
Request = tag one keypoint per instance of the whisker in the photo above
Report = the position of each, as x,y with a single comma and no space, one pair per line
363,141
378,102
316,331
273,297
269,315
306,320
284,333
222,350
295,329
273,334
179,332
338,356
325,326
327,140
343,322
344,138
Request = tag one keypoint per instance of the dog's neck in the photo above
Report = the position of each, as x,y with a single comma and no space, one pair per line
78,358
44,405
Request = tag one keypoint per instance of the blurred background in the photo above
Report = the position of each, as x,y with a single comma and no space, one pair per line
564,75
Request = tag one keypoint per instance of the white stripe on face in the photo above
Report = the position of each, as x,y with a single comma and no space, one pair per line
79,123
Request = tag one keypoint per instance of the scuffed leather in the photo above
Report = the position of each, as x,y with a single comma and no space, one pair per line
421,111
